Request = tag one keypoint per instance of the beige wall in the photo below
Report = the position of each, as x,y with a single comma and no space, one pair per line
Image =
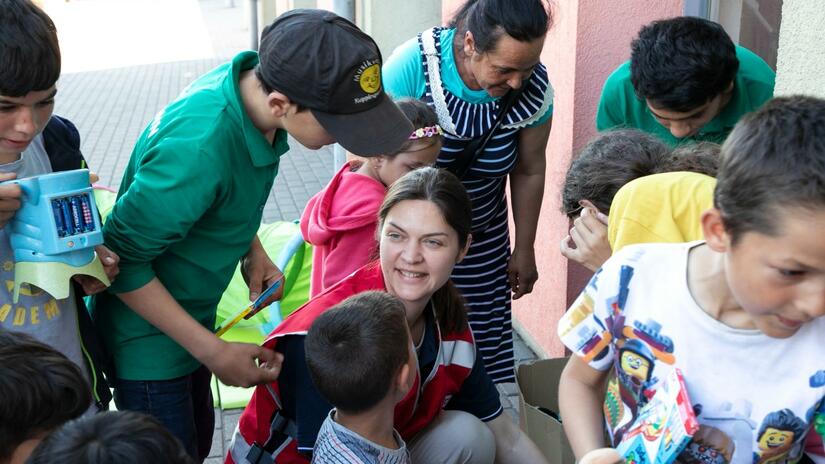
392,22
800,66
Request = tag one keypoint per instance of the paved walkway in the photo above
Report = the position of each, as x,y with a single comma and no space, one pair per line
125,59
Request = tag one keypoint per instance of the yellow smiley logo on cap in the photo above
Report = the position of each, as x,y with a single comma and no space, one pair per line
370,80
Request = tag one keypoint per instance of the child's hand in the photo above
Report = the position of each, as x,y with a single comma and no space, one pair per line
260,272
602,456
9,198
244,364
589,234
110,261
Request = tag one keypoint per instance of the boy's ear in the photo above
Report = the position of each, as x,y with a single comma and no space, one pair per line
713,228
404,380
278,103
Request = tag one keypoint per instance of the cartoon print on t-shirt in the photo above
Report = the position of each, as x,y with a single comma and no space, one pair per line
638,348
725,434
816,417
708,446
780,437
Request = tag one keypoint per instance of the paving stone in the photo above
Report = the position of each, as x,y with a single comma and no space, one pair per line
218,415
230,421
508,388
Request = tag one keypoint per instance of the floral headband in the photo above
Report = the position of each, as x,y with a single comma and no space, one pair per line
426,132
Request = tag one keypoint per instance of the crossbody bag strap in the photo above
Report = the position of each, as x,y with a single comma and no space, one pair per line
462,163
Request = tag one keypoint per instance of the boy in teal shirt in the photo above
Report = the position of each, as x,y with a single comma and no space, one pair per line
192,198
685,82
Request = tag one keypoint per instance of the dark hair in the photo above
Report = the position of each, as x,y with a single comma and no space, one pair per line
609,161
269,89
784,420
29,52
701,157
41,389
121,437
420,115
772,160
446,192
681,63
355,349
487,20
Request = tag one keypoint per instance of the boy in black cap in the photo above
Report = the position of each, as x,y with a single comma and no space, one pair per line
192,198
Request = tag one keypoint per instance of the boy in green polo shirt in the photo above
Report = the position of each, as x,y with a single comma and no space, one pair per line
685,82
192,198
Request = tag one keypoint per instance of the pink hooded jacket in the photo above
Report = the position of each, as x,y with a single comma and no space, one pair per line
339,222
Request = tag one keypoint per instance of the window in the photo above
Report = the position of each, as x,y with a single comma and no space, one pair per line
754,24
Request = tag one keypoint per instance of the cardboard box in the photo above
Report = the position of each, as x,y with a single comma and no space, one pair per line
538,387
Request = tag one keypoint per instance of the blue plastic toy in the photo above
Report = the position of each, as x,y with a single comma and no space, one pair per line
54,233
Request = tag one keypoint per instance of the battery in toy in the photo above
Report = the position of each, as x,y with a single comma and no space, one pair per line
66,211
88,220
58,219
77,214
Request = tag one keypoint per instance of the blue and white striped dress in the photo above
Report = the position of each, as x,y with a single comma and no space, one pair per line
482,276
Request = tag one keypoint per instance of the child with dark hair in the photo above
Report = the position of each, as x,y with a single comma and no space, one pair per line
112,437
608,162
740,313
613,160
33,142
359,356
339,221
41,389
685,81
193,196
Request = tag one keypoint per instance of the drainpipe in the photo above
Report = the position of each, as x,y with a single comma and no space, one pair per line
253,25
345,9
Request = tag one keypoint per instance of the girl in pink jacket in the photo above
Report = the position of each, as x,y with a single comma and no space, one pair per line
340,220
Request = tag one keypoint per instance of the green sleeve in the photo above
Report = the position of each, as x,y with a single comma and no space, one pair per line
403,73
171,188
610,112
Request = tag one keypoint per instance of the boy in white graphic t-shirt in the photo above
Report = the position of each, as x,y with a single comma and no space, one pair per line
740,314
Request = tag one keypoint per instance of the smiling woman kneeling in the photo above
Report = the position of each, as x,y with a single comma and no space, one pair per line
452,413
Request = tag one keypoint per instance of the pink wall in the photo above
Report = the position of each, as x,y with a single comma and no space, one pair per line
588,40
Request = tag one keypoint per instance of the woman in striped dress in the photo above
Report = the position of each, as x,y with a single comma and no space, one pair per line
490,48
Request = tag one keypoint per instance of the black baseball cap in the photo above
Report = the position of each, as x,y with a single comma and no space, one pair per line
325,63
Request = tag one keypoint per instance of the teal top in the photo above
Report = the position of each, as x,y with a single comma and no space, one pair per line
404,75
619,106
188,208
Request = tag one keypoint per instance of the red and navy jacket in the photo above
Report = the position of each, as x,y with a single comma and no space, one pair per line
264,435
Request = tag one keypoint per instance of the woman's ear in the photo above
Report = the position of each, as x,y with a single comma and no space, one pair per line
278,104
713,227
463,252
469,44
